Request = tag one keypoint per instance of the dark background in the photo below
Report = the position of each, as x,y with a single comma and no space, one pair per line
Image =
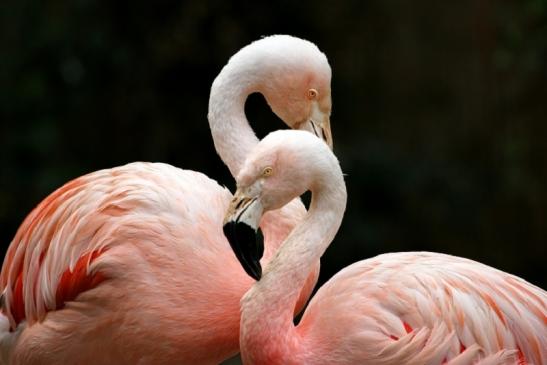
439,119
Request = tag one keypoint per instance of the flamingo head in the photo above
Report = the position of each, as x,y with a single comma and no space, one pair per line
294,76
298,86
283,166
303,101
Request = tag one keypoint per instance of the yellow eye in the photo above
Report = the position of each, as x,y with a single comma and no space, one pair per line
268,171
312,94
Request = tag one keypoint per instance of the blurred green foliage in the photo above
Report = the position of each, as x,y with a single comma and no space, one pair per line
440,110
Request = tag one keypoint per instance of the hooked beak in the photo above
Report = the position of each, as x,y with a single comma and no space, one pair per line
322,130
242,231
319,124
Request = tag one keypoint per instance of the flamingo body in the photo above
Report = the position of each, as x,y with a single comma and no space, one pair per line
400,308
167,275
425,308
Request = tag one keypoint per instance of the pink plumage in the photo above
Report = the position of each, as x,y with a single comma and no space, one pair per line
429,308
151,276
399,308
129,265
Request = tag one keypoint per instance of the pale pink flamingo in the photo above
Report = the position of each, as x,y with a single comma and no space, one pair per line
129,265
399,308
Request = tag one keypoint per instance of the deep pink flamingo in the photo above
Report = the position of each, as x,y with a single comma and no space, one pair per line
129,265
400,308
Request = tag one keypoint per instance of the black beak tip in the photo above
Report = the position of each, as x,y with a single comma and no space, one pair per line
248,246
256,273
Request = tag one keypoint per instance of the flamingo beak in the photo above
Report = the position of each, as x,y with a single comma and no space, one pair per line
319,124
326,133
242,231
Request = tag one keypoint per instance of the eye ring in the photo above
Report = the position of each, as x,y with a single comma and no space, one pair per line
312,94
268,171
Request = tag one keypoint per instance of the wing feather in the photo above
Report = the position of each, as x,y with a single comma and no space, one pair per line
460,311
54,254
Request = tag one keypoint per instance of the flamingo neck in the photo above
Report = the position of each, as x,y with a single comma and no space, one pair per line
232,134
267,332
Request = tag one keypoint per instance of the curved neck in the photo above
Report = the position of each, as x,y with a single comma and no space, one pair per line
267,330
232,134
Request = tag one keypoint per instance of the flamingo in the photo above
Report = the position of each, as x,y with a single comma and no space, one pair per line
129,265
398,308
